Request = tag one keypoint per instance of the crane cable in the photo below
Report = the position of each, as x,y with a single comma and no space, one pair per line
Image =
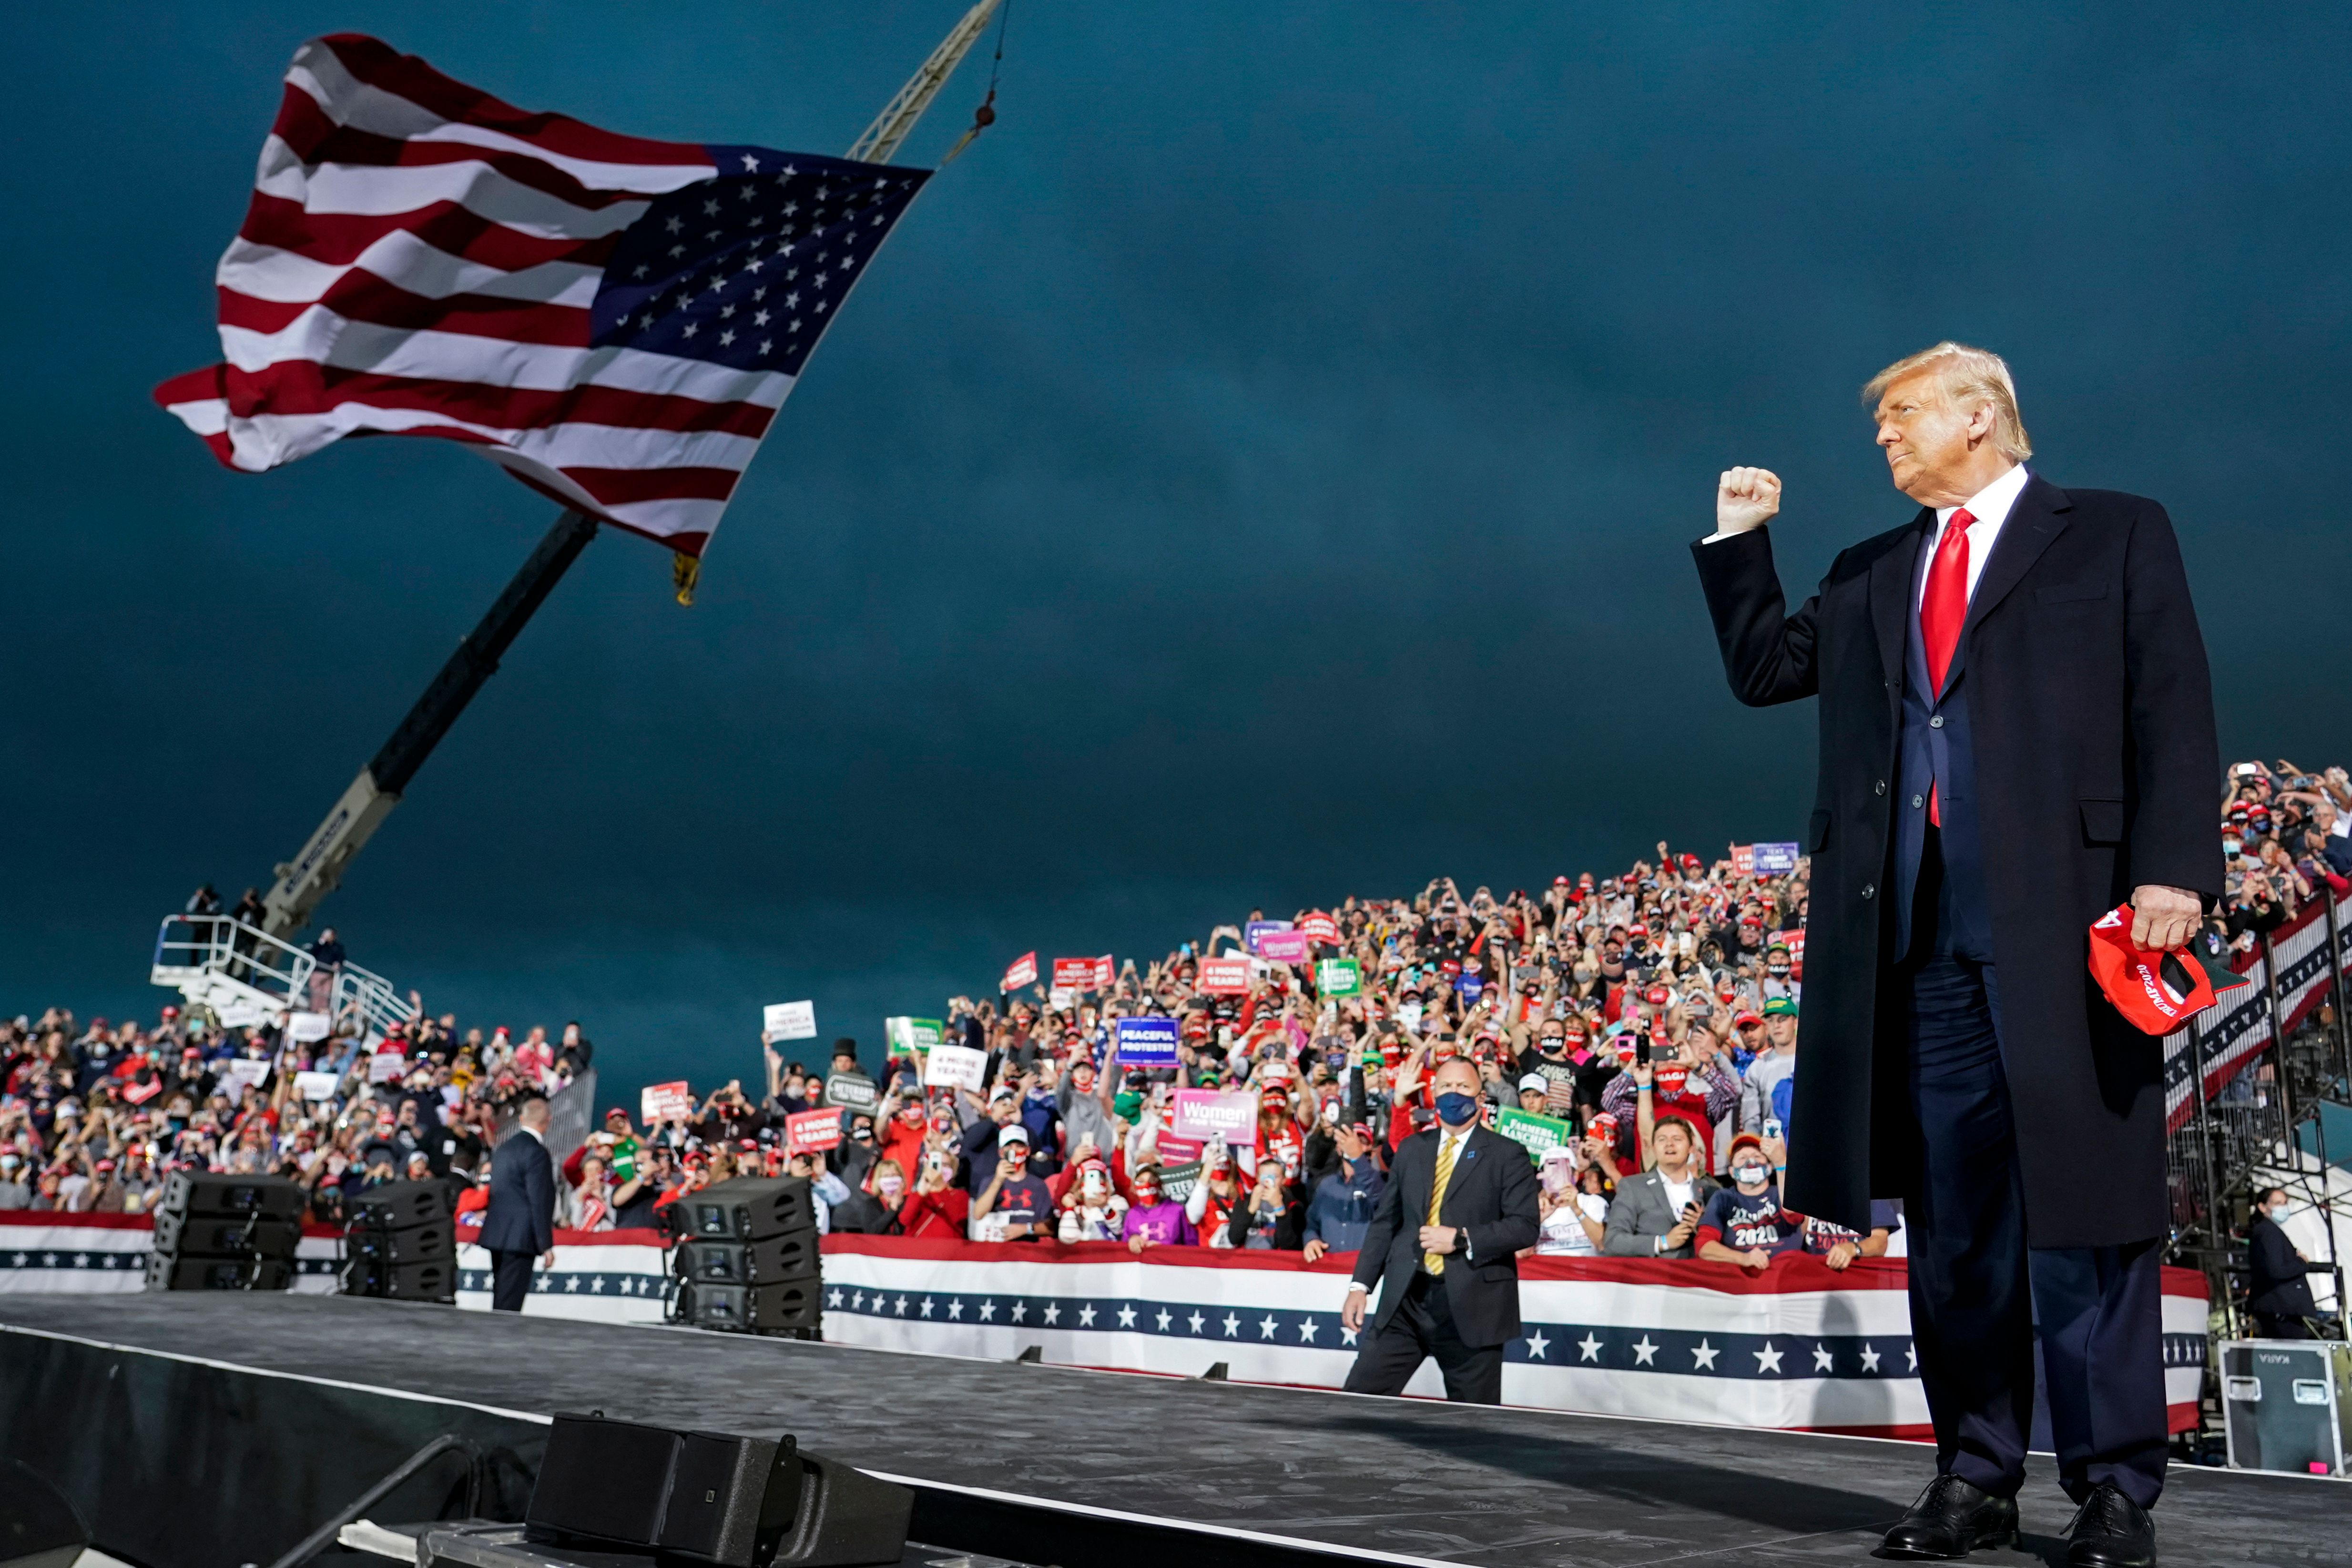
985,115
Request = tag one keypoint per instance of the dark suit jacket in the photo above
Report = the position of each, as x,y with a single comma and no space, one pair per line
2278,1284
2095,772
1491,1198
522,1215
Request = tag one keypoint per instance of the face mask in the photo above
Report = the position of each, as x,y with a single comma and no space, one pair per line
1454,1107
889,1186
1146,1194
1748,1175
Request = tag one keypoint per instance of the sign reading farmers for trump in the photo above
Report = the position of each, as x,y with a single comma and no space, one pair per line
1282,947
1224,976
912,1037
1254,934
658,1103
1023,973
1534,1133
1317,926
956,1067
790,1020
1339,978
807,1131
1775,859
1205,1114
1146,1042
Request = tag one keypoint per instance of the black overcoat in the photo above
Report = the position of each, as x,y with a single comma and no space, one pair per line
2097,773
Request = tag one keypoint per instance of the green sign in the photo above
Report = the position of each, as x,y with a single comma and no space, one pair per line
1534,1133
914,1035
1339,978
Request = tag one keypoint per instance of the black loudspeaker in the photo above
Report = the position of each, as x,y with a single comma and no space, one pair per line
188,1194
165,1272
412,1244
706,1496
205,1235
401,1281
38,1528
396,1205
790,1306
768,1262
748,1208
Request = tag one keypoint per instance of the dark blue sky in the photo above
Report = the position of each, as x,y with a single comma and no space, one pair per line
1260,470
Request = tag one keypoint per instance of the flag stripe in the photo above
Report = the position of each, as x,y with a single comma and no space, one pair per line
477,186
298,387
267,272
447,226
361,296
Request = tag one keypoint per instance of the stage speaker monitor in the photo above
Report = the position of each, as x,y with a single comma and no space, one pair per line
38,1528
748,1208
2286,1404
397,1206
204,1236
401,1281
165,1272
209,1194
752,1309
706,1496
411,1244
779,1258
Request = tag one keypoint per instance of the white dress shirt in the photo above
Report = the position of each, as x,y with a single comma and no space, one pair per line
1990,506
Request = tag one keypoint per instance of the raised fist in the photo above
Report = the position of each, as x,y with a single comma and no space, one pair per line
1746,499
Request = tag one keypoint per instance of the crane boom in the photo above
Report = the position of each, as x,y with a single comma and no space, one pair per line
898,116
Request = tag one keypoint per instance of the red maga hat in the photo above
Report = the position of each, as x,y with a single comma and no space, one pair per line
2156,991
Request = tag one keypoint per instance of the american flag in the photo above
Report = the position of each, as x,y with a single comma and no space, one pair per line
614,321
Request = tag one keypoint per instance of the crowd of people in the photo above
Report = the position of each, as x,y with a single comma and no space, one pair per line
1638,1032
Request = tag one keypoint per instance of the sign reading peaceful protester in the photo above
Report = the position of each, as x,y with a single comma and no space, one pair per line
790,1020
1206,1113
1224,976
806,1130
1339,978
1534,1133
1775,859
660,1102
1146,1042
956,1067
912,1037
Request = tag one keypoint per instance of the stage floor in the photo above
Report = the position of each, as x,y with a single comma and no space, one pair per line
1406,1478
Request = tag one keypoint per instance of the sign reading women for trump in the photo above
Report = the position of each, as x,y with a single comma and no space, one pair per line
1205,1114
1146,1042
1282,947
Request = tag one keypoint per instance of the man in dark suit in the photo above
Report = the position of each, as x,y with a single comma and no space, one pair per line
2279,1295
1459,1205
2016,736
520,1224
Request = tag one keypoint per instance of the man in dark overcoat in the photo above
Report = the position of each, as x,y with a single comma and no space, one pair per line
2017,736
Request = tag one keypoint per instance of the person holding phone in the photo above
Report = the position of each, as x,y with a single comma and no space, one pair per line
1657,1214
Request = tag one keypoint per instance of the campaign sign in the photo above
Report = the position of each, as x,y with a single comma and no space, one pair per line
912,1037
788,1020
1254,934
660,1102
1177,1181
1224,976
244,1070
1146,1042
1023,973
1339,978
302,1028
388,1067
1206,1113
1282,947
1317,926
850,1091
1073,973
1775,859
1743,859
956,1067
315,1085
808,1131
1534,1133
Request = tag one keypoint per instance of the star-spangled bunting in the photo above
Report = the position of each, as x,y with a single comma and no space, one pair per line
613,319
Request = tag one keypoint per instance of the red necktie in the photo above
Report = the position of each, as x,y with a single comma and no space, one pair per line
1943,608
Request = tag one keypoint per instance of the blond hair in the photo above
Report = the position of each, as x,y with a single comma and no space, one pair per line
1965,376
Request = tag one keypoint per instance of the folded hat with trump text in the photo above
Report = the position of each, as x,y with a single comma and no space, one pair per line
2156,991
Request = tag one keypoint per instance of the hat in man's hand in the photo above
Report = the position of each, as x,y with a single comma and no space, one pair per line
2156,991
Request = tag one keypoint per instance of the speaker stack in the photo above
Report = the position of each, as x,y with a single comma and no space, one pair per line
401,1243
216,1232
745,1258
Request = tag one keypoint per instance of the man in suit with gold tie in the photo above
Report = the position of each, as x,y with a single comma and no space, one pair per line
1452,1275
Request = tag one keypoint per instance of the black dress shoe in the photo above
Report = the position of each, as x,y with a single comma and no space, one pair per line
1950,1520
2110,1531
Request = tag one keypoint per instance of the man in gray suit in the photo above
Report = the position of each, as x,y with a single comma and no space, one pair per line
1655,1213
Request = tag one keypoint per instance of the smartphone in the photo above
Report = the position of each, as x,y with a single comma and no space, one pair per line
1771,1127
1642,1051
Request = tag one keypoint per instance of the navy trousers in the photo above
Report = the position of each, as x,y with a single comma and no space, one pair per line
1979,1289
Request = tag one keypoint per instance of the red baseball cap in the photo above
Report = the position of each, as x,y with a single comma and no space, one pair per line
2157,992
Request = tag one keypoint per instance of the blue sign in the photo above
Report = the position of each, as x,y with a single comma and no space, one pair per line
1775,859
1256,929
1146,1042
